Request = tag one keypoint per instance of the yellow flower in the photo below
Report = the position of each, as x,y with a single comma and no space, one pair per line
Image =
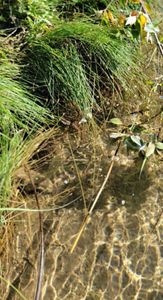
121,20
142,20
107,15
135,1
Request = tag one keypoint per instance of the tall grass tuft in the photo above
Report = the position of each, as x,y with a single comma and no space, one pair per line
76,59
61,74
20,115
17,106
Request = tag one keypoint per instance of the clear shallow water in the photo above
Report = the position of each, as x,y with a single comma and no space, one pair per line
119,255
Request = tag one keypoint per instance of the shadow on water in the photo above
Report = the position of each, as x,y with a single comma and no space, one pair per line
125,188
60,174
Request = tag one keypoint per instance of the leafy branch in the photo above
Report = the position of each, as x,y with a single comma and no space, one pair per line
135,142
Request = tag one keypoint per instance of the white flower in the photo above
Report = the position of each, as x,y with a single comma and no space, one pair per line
131,20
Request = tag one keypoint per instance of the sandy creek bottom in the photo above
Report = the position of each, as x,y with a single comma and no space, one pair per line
120,253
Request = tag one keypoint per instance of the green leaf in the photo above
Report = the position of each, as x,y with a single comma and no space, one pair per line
135,143
150,28
150,82
150,149
122,2
159,146
142,167
136,140
131,145
115,121
116,135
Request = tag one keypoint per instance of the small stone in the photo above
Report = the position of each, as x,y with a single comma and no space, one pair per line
153,221
65,181
83,120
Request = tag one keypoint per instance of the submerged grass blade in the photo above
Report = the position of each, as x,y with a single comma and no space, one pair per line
14,288
16,152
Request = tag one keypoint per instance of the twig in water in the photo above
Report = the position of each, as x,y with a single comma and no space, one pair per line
41,233
86,219
78,175
23,210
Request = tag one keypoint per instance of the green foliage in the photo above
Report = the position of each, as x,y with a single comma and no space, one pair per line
11,146
134,141
73,51
60,74
122,17
17,106
12,12
115,121
19,115
130,18
73,60
71,8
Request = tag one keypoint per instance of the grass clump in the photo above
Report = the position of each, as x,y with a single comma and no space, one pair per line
60,75
73,57
69,9
72,61
76,60
17,106
20,116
